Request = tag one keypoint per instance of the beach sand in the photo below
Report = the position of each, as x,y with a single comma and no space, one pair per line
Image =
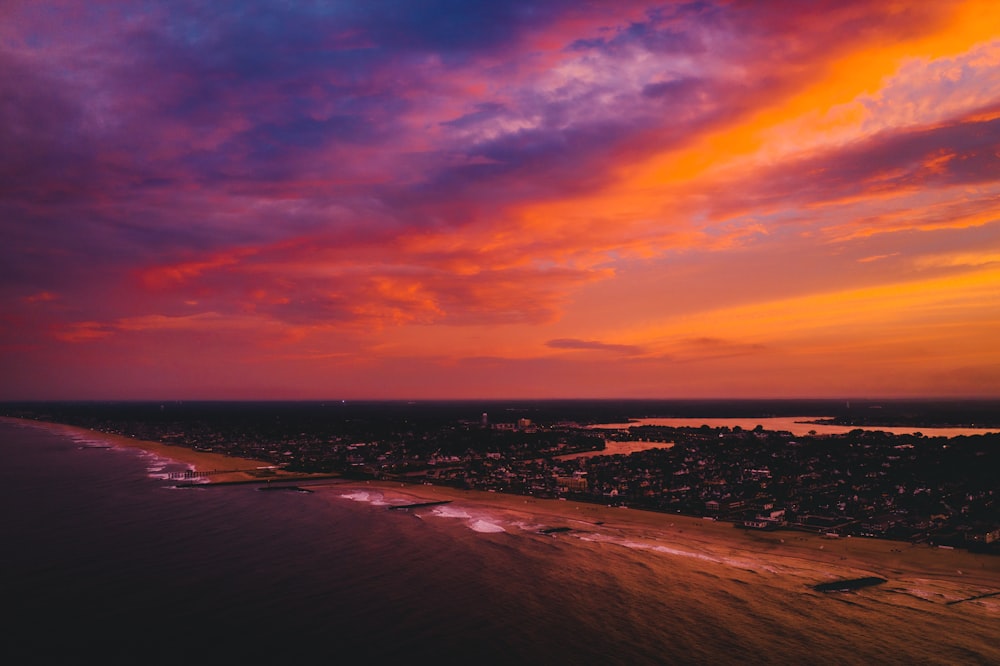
925,572
713,593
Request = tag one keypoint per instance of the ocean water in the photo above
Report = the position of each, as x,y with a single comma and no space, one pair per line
103,561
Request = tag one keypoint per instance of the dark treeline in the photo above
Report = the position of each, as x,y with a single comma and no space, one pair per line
366,415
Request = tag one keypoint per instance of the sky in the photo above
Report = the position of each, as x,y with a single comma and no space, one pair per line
394,199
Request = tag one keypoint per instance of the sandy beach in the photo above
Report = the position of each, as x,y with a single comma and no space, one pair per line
933,605
924,572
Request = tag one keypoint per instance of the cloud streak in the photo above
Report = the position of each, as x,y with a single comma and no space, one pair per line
573,344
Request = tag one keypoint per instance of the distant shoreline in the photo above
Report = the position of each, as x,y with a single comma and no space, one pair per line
800,426
212,468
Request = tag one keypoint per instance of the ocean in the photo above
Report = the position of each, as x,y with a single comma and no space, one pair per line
104,560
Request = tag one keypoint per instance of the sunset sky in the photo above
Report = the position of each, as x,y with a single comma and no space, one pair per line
451,199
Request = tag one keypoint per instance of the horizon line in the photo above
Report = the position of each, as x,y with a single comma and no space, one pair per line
928,398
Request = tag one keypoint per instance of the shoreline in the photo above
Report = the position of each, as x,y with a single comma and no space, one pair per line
955,575
949,576
210,468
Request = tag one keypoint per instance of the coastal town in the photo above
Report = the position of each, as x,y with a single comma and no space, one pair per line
916,488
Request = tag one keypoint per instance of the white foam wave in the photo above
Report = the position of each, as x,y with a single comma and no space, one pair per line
449,511
79,437
477,523
484,526
659,548
375,499
739,563
683,553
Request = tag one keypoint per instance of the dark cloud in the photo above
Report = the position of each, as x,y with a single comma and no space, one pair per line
951,153
706,348
957,152
593,345
658,34
676,89
48,150
456,27
486,111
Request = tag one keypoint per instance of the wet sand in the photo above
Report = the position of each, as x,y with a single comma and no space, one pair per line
703,591
805,559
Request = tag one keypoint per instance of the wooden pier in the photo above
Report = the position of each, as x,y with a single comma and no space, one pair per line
418,505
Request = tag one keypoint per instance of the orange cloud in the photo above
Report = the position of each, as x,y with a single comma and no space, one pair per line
160,277
85,331
41,297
